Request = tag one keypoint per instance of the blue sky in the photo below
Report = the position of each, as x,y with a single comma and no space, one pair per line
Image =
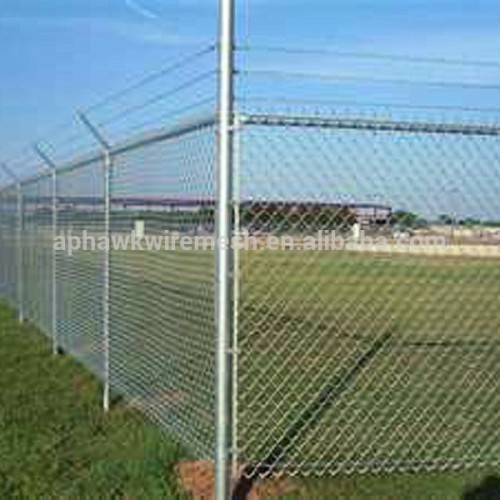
60,55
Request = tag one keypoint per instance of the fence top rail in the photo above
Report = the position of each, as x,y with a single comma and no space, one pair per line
158,135
368,124
42,174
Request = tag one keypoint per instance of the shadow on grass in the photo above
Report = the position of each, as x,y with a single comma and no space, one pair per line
306,421
488,489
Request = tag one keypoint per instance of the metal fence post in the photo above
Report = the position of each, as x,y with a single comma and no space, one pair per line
108,166
236,289
55,339
20,249
53,169
224,257
19,236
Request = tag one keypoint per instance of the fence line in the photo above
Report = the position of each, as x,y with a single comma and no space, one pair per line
173,189
323,362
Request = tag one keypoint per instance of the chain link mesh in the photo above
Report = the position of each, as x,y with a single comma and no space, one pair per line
141,319
162,314
376,360
80,285
37,251
9,218
342,361
160,350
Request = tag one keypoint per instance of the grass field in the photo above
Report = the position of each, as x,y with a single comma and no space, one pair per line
55,441
426,399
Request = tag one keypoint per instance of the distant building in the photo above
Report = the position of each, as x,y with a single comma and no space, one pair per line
311,216
369,214
198,214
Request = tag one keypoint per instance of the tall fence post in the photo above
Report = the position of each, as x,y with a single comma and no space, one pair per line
108,166
236,288
53,172
224,257
19,240
20,249
55,338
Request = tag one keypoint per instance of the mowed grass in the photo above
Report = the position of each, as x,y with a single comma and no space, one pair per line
480,484
427,400
55,440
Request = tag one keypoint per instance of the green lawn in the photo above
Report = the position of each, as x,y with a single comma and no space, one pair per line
55,440
427,399
471,485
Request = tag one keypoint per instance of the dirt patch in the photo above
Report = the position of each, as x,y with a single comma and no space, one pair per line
196,478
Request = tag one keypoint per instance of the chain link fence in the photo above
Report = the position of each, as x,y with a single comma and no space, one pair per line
10,244
36,252
341,360
375,358
162,302
80,275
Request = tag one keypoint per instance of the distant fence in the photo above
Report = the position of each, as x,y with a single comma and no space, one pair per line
338,361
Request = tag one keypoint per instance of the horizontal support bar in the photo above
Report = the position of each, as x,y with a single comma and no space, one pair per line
145,140
370,125
159,135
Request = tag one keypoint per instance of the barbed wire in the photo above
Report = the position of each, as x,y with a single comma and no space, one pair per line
271,73
369,55
172,113
149,78
66,138
375,104
159,97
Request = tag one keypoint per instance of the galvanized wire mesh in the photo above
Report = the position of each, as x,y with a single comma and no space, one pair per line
142,320
368,360
158,350
37,252
79,275
342,360
162,298
9,243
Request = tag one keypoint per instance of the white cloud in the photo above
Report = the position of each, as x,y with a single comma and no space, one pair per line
140,10
135,30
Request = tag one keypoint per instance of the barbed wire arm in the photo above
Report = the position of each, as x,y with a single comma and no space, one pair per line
44,157
94,131
10,173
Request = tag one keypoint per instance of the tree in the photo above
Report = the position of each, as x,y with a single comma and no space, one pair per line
446,219
405,219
